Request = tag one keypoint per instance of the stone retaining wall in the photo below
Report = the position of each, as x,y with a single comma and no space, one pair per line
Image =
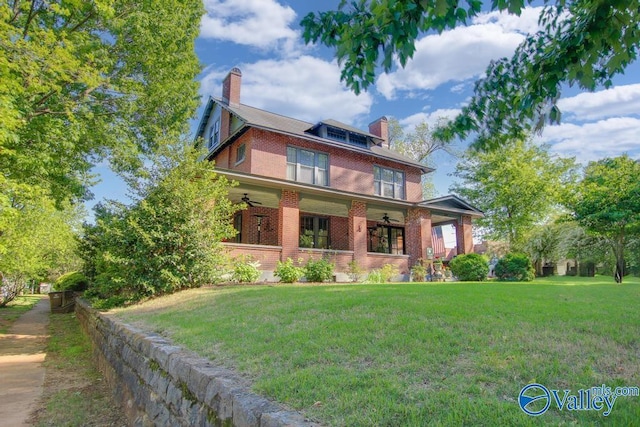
159,383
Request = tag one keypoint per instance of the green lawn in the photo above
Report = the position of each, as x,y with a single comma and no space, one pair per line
417,354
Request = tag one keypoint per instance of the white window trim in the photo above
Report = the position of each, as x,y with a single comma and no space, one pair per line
316,169
244,156
404,183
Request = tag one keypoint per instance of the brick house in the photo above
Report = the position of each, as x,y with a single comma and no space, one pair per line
323,189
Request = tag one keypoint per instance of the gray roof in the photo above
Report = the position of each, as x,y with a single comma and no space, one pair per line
267,120
451,202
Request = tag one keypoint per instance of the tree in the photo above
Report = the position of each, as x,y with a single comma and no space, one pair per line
81,81
38,243
419,145
168,240
543,244
582,42
607,203
516,187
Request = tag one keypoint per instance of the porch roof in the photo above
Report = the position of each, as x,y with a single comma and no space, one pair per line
447,206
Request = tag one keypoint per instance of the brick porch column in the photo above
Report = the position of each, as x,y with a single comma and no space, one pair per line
358,233
464,235
417,234
289,224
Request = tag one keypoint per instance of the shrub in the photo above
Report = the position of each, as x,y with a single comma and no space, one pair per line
469,267
318,271
288,272
245,270
515,267
382,275
419,271
74,281
355,271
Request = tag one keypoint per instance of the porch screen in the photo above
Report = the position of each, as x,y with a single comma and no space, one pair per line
314,232
386,239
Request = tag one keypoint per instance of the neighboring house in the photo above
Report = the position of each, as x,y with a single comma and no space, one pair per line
323,189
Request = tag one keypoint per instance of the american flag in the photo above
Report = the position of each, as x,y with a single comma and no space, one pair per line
438,242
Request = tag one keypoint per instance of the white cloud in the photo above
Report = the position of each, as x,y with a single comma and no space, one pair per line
461,53
592,141
409,123
305,88
616,101
264,24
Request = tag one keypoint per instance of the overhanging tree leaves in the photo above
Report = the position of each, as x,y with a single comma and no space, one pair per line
420,145
607,203
582,42
83,80
515,186
168,240
38,243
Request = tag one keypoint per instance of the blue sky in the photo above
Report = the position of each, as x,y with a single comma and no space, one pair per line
283,75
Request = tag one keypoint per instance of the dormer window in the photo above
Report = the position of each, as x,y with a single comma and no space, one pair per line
336,134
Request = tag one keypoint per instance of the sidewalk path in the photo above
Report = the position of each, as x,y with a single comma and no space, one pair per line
22,352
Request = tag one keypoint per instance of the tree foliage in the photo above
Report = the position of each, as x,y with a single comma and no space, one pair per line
420,145
37,240
85,80
607,203
515,186
582,42
168,240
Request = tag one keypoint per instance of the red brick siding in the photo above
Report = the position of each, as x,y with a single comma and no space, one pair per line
289,225
349,171
417,234
379,260
222,159
464,235
341,260
358,232
267,256
339,233
268,230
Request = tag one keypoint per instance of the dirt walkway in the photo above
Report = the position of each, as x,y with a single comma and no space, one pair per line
22,352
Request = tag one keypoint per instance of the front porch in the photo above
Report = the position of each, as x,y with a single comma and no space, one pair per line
288,220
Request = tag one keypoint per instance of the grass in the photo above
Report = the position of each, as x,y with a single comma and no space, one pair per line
416,354
15,309
74,392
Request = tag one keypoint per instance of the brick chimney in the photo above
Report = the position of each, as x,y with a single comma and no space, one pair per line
380,128
231,87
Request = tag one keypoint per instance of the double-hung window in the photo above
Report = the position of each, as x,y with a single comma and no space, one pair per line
214,134
307,166
388,182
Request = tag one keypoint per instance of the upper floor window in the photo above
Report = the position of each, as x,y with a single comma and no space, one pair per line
388,182
307,166
241,153
214,134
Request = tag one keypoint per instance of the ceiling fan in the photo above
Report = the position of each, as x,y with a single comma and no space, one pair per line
248,201
387,220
